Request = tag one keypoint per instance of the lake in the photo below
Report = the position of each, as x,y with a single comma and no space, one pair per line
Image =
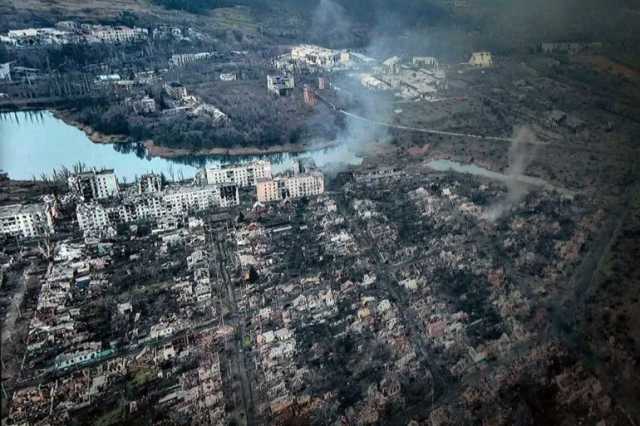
36,142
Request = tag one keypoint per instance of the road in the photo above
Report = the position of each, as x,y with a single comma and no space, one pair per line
414,129
224,259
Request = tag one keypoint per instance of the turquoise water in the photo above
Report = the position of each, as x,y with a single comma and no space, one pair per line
33,143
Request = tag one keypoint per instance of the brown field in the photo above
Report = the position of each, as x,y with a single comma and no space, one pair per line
604,64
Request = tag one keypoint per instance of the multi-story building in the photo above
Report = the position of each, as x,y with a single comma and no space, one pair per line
241,175
281,85
310,97
182,200
29,220
105,184
94,185
94,218
295,186
145,105
481,59
118,34
319,56
182,59
149,183
175,90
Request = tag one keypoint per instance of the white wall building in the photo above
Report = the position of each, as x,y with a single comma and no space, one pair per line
94,185
29,220
120,34
481,59
241,175
95,218
182,59
281,85
149,183
284,187
5,71
307,54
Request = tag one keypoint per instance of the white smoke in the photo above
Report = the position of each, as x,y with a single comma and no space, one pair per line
330,19
521,153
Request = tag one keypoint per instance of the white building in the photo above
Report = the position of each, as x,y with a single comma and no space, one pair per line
181,201
149,183
241,175
392,65
92,217
425,61
182,59
228,76
146,105
5,71
281,85
175,90
119,34
284,187
95,218
94,185
29,220
317,56
481,59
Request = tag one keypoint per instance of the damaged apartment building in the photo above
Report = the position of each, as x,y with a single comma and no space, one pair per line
242,175
94,185
27,221
166,207
284,187
281,85
312,57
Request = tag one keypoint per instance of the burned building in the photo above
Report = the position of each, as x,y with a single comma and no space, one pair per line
281,85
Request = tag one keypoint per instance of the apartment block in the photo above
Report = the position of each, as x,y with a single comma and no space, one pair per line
284,187
149,183
94,185
241,175
281,85
94,217
28,221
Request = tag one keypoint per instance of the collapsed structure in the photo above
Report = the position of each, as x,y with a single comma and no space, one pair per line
167,207
281,85
94,185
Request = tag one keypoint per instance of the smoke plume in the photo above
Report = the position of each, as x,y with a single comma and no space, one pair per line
521,154
330,22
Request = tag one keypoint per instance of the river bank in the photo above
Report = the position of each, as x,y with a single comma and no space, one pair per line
39,142
92,134
154,150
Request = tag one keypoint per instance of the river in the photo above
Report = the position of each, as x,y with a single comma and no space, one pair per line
36,143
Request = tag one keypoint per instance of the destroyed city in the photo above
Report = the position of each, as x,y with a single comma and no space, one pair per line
320,212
